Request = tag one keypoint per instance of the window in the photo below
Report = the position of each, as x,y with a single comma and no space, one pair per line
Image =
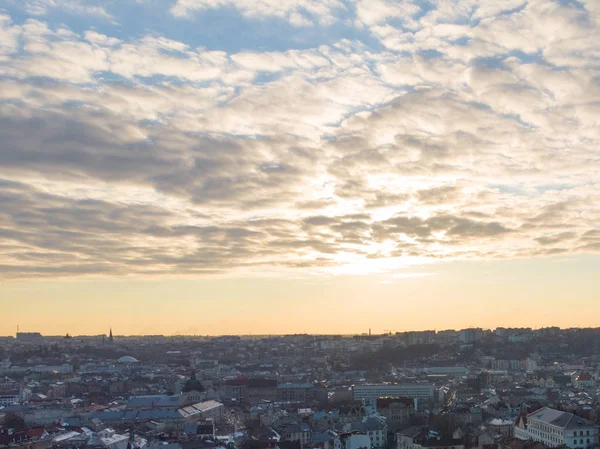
587,432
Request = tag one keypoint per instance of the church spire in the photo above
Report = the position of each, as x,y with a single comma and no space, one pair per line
110,336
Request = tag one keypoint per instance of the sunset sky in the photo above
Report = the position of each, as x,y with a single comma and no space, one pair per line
282,166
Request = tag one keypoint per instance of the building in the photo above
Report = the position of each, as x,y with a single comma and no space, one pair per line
419,337
113,440
500,365
169,419
585,381
290,392
296,432
531,365
449,336
503,427
470,336
38,369
419,438
174,419
10,393
201,429
448,370
57,390
233,391
156,401
348,440
555,428
206,410
261,389
30,337
369,393
396,411
374,428
515,365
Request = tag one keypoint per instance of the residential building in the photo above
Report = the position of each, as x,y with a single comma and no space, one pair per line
10,392
419,337
201,429
470,336
555,428
374,427
419,438
348,440
290,392
261,389
503,427
296,432
396,411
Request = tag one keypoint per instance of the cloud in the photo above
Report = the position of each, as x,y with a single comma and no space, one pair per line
9,37
295,11
464,130
77,7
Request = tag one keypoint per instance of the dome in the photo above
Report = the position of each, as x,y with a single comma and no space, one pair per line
193,384
127,359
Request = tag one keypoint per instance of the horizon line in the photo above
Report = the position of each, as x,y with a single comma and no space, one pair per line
367,334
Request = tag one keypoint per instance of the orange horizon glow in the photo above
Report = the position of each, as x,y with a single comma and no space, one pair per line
452,296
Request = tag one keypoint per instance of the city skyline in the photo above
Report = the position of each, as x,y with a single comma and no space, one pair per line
230,166
368,333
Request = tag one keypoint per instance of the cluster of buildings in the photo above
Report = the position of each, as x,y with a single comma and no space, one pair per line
471,388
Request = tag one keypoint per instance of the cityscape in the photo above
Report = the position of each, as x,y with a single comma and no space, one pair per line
299,224
507,388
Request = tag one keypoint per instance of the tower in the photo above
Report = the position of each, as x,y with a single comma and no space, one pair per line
110,336
131,441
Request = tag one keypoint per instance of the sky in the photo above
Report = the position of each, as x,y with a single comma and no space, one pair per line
283,166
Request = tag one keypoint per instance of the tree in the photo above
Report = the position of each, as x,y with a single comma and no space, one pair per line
14,421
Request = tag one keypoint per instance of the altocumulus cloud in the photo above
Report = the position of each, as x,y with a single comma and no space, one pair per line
373,130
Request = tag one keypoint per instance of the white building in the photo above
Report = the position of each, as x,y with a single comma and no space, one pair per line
113,440
203,410
450,370
374,427
369,393
349,440
9,399
357,442
555,428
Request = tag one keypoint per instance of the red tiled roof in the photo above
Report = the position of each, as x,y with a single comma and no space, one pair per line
37,432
